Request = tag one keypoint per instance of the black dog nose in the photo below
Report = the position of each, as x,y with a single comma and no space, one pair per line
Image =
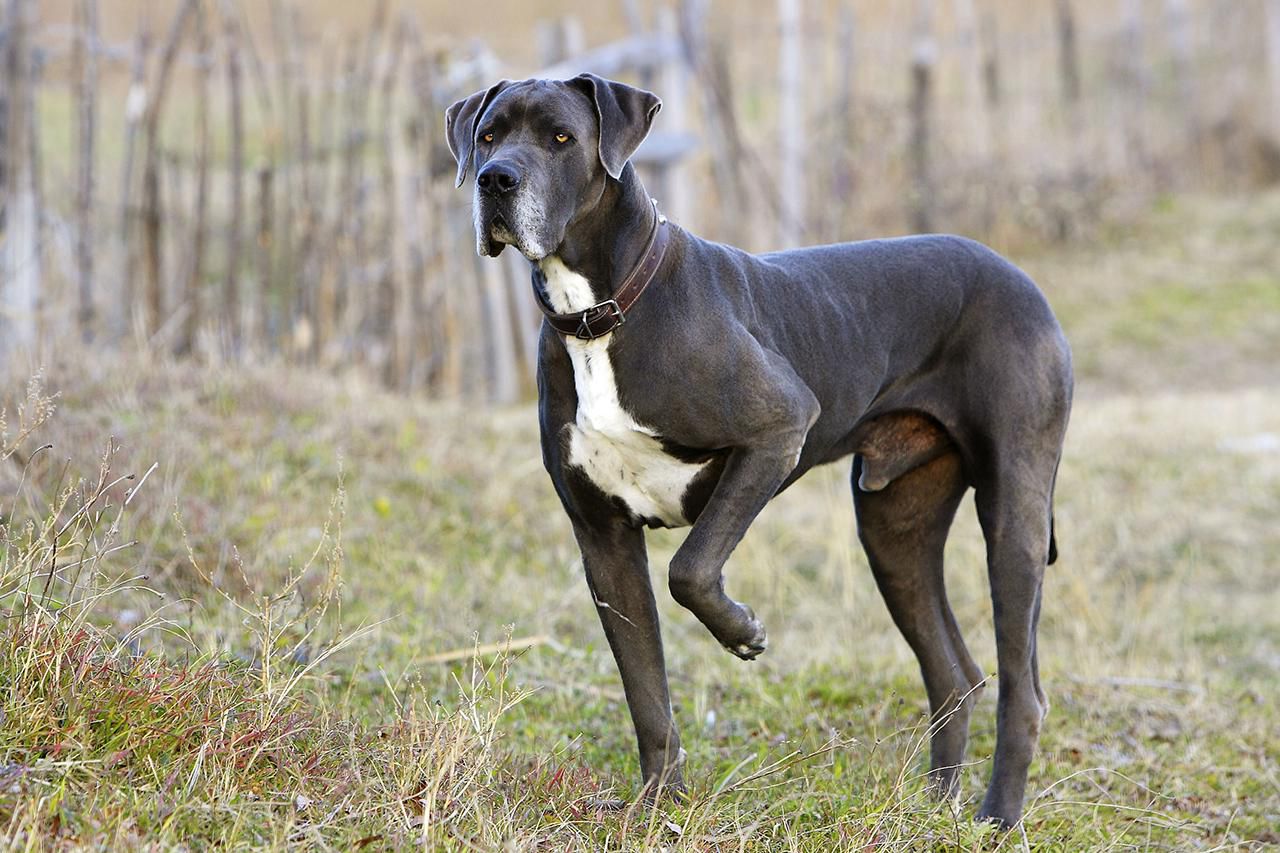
498,177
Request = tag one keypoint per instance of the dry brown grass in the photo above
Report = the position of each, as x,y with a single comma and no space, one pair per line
344,536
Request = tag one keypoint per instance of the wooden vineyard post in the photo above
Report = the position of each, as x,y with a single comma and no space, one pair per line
923,59
230,320
791,136
86,76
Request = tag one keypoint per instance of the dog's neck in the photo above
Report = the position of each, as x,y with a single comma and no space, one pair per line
596,255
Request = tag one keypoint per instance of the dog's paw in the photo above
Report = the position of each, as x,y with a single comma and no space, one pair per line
756,639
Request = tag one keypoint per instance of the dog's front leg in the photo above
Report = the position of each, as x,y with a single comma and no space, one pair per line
752,476
618,576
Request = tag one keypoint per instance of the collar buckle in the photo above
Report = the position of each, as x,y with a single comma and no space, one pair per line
584,332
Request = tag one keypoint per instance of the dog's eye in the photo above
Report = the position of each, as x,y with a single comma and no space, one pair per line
562,138
488,137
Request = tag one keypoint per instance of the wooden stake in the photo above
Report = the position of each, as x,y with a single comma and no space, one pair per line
231,320
195,317
923,58
152,215
329,146
1272,11
266,327
390,326
86,63
791,122
134,112
20,250
1068,53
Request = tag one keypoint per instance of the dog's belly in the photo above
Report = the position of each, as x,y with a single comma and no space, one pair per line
624,458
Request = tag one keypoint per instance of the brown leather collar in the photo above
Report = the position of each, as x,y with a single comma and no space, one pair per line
603,317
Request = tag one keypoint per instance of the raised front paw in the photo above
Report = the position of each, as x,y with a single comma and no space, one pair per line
748,638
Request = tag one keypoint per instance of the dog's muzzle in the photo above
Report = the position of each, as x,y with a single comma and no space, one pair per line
507,214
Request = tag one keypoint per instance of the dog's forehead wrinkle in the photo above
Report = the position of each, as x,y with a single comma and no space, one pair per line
544,101
509,105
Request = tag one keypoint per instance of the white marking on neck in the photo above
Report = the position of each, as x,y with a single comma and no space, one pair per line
619,454
567,291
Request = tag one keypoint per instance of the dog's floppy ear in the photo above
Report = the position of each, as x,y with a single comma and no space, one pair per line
625,114
460,125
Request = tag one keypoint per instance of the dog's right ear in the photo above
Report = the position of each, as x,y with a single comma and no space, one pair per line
460,125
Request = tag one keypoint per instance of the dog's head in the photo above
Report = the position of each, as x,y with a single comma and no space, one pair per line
543,151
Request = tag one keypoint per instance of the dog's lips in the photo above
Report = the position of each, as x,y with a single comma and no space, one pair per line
497,233
500,231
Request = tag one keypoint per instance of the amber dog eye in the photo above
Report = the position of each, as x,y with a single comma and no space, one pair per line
488,137
562,138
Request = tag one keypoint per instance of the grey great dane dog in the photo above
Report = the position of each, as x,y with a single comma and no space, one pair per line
932,360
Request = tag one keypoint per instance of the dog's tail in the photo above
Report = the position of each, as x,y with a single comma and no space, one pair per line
1053,540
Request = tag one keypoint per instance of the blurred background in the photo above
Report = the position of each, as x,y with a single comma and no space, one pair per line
268,181
233,260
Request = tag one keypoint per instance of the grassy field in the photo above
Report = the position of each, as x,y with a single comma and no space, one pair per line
268,637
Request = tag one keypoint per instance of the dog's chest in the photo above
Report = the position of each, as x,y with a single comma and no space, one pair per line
623,457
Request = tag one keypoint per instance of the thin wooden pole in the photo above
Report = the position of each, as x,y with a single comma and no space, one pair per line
1272,10
791,125
87,94
1068,53
134,112
5,82
437,337
1179,25
152,214
328,145
364,316
19,251
231,320
257,69
265,322
711,67
674,82
346,223
1134,92
286,66
194,286
304,287
839,166
923,58
975,112
1181,32
993,89
391,285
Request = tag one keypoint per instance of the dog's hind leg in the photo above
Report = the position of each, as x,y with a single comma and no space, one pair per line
1013,509
903,528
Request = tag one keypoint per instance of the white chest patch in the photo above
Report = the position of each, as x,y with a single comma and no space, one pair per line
620,455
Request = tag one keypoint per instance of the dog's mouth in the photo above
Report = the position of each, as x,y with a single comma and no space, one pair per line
500,231
500,234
